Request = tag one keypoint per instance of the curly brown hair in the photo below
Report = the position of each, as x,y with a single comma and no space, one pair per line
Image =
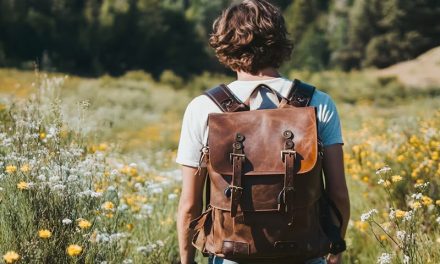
251,36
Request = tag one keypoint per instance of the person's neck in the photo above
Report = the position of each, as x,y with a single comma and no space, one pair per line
268,73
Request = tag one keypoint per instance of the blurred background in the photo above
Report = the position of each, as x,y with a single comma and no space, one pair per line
97,89
95,37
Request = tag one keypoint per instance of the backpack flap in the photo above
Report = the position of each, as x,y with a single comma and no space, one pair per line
263,139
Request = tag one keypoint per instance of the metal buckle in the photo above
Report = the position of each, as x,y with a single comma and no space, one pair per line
227,103
284,152
236,190
205,149
231,155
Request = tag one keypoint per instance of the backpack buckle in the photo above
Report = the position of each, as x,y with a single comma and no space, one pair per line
232,155
289,152
205,150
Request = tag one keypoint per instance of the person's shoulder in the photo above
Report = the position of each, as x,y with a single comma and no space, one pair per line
200,101
201,104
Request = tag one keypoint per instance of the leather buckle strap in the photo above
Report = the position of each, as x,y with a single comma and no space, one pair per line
286,196
285,152
236,189
237,158
225,99
232,155
288,190
300,93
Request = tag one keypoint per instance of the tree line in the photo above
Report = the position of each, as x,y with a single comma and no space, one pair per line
94,37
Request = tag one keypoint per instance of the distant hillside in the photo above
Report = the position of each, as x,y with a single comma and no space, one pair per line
424,71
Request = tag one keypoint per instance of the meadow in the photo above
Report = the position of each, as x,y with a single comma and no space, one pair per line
87,172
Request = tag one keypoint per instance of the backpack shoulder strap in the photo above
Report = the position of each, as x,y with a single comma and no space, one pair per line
223,97
300,93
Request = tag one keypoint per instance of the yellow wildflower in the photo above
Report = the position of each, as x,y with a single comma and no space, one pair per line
139,179
129,170
22,185
108,206
437,202
363,154
383,237
416,205
361,226
396,178
400,158
435,155
420,181
25,168
84,224
42,135
130,227
11,169
44,233
355,148
92,149
400,213
11,257
426,200
414,140
365,179
167,221
109,215
386,183
74,250
414,173
102,147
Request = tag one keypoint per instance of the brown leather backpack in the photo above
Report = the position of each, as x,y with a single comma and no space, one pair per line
266,200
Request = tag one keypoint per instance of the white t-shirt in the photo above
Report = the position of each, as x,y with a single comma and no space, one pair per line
194,131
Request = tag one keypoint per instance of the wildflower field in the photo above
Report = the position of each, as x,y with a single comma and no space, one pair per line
87,172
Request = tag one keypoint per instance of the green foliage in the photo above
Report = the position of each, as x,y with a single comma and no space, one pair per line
362,33
95,37
386,32
91,37
312,52
363,87
298,16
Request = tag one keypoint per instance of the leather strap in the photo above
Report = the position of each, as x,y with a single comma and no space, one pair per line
300,93
237,158
203,172
289,190
225,99
286,197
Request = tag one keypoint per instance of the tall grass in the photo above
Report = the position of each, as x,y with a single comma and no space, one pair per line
394,174
63,200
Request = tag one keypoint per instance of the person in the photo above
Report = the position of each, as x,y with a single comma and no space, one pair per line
250,38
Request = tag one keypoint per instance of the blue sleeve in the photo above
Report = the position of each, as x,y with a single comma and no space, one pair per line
329,124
